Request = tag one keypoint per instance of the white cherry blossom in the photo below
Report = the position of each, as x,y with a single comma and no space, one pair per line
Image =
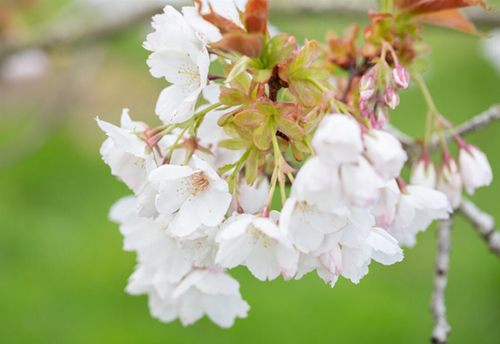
258,243
211,292
449,181
385,153
423,173
182,59
338,139
474,167
306,224
199,196
129,157
418,206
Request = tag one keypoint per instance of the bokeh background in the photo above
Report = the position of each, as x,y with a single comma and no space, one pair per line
62,268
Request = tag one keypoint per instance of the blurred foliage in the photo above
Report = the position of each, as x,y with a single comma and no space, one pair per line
62,269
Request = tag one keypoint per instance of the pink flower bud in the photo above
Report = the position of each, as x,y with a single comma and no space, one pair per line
379,118
365,109
391,97
401,76
475,168
366,86
449,181
423,173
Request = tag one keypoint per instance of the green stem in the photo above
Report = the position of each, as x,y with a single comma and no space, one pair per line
205,111
430,104
308,145
276,147
240,163
316,84
171,150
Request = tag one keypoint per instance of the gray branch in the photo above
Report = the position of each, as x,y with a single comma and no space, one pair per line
474,124
484,224
438,307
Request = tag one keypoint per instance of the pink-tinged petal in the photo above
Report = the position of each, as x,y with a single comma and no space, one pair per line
223,310
263,263
385,248
218,282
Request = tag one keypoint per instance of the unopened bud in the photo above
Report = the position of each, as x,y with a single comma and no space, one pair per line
364,108
366,86
391,97
379,118
401,76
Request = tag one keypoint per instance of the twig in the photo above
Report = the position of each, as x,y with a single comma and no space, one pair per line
438,306
474,124
484,224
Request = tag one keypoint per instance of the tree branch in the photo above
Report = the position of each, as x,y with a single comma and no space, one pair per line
438,306
474,124
484,224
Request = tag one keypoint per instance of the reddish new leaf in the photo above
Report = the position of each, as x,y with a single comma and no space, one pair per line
248,44
255,16
453,19
223,24
427,6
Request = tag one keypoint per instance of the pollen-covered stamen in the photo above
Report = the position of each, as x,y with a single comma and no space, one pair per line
259,237
197,183
192,74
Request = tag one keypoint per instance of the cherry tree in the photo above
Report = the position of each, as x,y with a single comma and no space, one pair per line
306,122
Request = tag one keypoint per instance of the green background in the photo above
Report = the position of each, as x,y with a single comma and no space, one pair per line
62,269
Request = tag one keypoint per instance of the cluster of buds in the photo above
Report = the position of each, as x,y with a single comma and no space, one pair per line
377,93
205,179
472,171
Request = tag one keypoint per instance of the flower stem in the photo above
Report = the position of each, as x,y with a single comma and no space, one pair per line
430,104
205,111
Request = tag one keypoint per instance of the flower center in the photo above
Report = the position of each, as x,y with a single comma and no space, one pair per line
198,183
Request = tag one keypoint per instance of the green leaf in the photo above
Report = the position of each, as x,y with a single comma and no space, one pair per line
283,144
249,118
301,146
235,144
265,105
242,65
297,154
237,132
262,75
233,97
231,181
251,167
277,51
226,168
290,129
262,136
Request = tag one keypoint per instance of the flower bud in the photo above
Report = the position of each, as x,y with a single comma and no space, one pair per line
379,118
401,76
366,86
391,97
423,173
475,168
449,181
365,109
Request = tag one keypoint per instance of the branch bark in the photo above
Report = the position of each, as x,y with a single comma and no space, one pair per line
474,124
438,307
483,223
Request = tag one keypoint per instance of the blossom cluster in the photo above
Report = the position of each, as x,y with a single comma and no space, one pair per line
204,181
